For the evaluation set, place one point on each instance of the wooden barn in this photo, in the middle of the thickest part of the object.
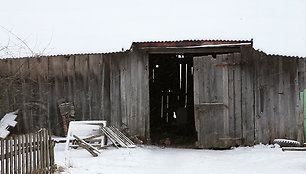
(208, 93)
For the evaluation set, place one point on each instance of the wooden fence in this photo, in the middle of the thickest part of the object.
(28, 153)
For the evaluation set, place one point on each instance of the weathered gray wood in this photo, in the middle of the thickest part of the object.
(95, 70)
(92, 150)
(19, 154)
(11, 150)
(23, 168)
(7, 169)
(2, 156)
(237, 99)
(16, 153)
(115, 92)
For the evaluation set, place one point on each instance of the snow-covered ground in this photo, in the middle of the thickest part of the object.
(156, 160)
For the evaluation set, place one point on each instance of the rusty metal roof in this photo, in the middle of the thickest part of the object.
(189, 43)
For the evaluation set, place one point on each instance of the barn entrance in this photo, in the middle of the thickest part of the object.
(171, 99)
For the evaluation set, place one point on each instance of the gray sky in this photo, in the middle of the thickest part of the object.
(78, 26)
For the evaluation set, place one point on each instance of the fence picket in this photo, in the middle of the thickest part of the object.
(15, 153)
(34, 151)
(23, 153)
(2, 156)
(31, 152)
(28, 153)
(11, 155)
(7, 156)
(19, 153)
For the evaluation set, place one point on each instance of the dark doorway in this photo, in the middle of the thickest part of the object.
(171, 99)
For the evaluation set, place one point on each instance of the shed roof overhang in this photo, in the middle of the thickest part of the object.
(182, 47)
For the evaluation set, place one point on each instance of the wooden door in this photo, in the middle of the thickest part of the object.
(217, 100)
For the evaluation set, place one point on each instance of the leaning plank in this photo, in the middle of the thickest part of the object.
(110, 137)
(125, 138)
(92, 150)
(294, 148)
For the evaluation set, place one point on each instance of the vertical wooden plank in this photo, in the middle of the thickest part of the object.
(237, 98)
(115, 91)
(23, 154)
(105, 88)
(27, 153)
(300, 136)
(51, 153)
(196, 89)
(81, 71)
(146, 96)
(7, 157)
(16, 154)
(19, 154)
(47, 142)
(247, 96)
(231, 98)
(42, 162)
(2, 156)
(11, 155)
(123, 90)
(34, 142)
(30, 144)
(38, 152)
(95, 62)
(225, 96)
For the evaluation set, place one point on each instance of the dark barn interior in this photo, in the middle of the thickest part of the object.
(171, 99)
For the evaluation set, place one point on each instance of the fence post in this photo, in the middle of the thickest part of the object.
(11, 155)
(2, 156)
(51, 151)
(6, 156)
(19, 153)
(15, 153)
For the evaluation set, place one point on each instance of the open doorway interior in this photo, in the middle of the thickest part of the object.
(171, 99)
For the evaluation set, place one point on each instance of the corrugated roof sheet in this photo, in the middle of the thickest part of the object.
(188, 43)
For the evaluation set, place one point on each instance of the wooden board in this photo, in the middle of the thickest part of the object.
(217, 101)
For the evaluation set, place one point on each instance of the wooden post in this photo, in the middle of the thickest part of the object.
(34, 150)
(27, 152)
(52, 165)
(23, 153)
(30, 152)
(15, 153)
(11, 155)
(7, 156)
(2, 156)
(19, 154)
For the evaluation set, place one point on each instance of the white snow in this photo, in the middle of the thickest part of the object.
(156, 160)
(5, 122)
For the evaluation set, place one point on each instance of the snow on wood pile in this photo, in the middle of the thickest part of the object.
(7, 121)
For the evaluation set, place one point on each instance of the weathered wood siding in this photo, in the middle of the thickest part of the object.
(257, 98)
(217, 86)
(276, 97)
(262, 92)
(112, 87)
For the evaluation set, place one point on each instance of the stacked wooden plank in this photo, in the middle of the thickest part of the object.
(117, 137)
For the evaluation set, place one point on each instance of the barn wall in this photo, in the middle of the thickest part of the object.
(112, 87)
(270, 97)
